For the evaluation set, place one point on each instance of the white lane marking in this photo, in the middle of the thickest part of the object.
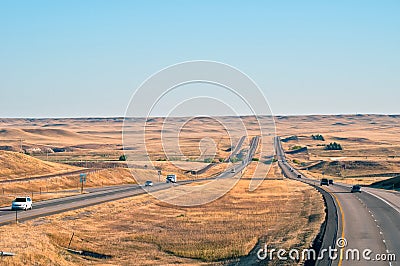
(382, 199)
(381, 233)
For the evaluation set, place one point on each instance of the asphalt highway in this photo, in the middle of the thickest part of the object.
(237, 148)
(53, 206)
(100, 195)
(368, 221)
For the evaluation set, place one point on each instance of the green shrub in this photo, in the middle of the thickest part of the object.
(333, 146)
(208, 160)
(234, 159)
(295, 147)
(318, 137)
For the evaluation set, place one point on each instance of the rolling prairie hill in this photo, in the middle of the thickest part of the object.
(18, 165)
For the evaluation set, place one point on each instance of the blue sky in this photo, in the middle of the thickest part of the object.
(86, 58)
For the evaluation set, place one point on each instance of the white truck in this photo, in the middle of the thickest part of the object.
(171, 179)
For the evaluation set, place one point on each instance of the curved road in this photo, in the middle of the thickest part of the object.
(369, 220)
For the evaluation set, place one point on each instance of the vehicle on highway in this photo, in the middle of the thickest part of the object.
(233, 170)
(356, 188)
(22, 203)
(324, 181)
(298, 176)
(330, 181)
(148, 183)
(291, 169)
(171, 179)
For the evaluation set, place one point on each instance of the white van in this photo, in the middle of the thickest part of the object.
(21, 203)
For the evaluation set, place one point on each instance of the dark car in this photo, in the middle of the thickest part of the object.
(356, 188)
(324, 181)
(330, 181)
(298, 176)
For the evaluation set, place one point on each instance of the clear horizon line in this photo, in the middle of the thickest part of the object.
(243, 115)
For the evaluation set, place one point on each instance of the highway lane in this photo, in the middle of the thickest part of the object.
(391, 197)
(236, 169)
(84, 196)
(53, 206)
(247, 160)
(101, 195)
(357, 226)
(330, 227)
(48, 207)
(367, 220)
(371, 222)
(388, 221)
(237, 148)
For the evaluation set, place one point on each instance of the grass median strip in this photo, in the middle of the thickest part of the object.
(142, 229)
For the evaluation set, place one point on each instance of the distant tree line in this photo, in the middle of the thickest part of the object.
(333, 146)
(318, 137)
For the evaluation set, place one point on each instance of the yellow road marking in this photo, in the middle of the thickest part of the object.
(343, 224)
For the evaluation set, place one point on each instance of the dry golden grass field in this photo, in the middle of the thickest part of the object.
(97, 142)
(16, 165)
(57, 187)
(371, 146)
(141, 230)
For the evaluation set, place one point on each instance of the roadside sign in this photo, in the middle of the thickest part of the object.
(82, 178)
(159, 175)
